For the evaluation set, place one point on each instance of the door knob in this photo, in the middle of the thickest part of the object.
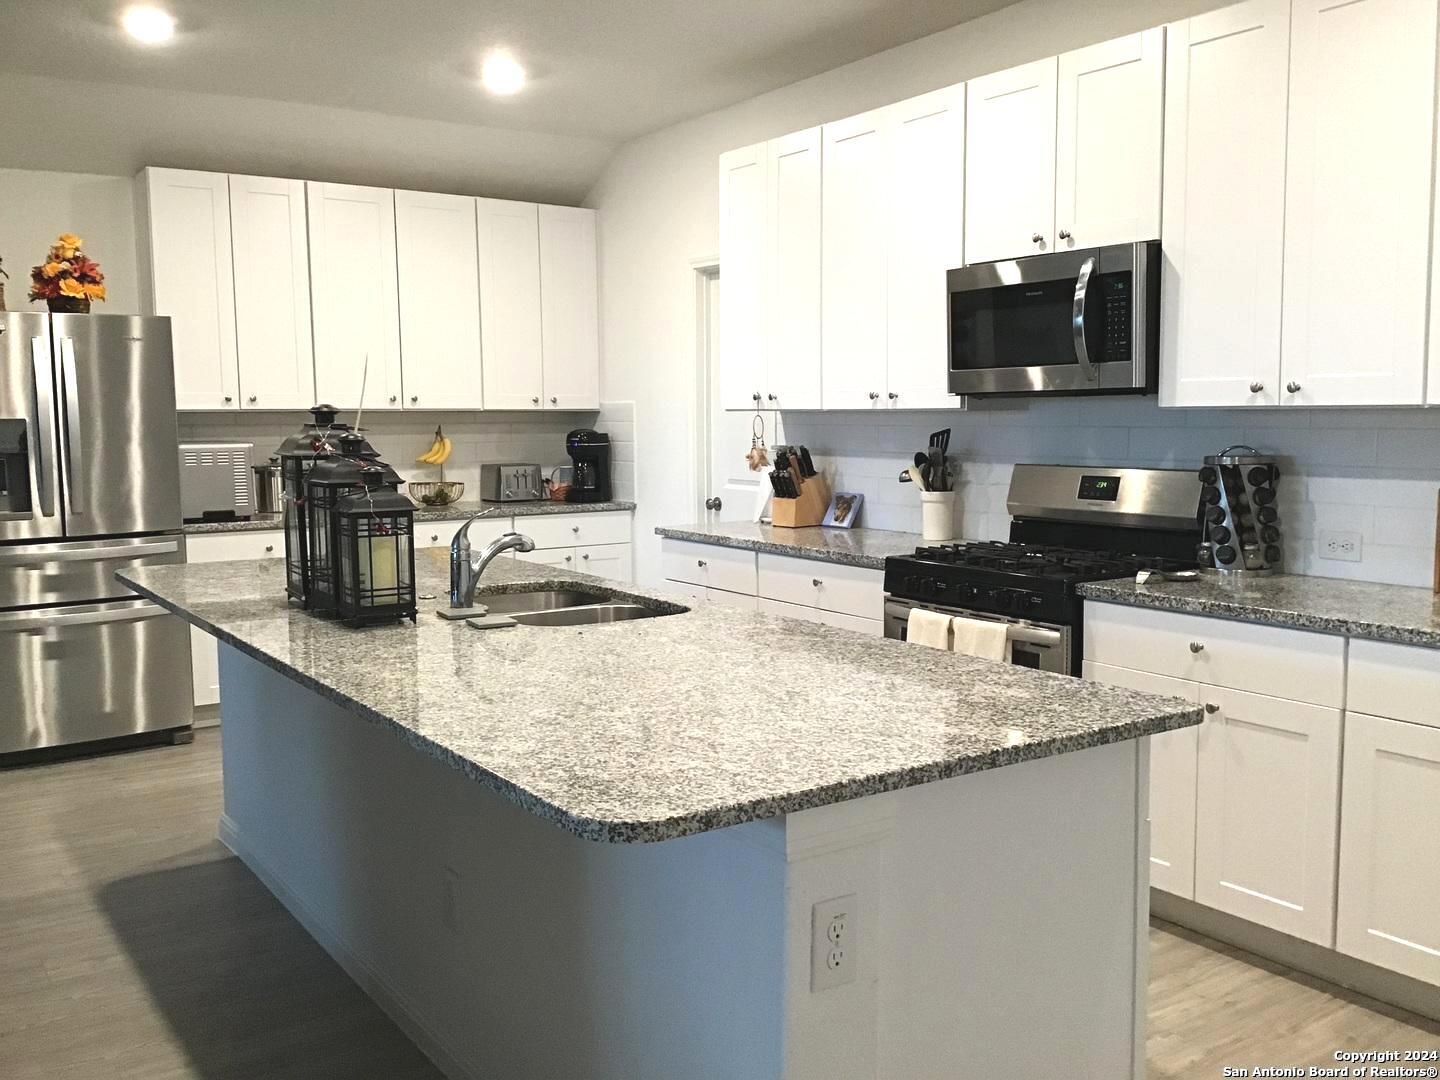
(1197, 647)
(1064, 234)
(874, 395)
(713, 503)
(1293, 387)
(1211, 708)
(1036, 238)
(252, 398)
(1256, 387)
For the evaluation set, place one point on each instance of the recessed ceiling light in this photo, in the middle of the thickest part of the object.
(148, 25)
(501, 73)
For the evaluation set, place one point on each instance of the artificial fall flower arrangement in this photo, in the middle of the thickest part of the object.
(66, 272)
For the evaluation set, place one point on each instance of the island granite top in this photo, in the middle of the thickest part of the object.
(454, 512)
(852, 547)
(658, 728)
(1363, 609)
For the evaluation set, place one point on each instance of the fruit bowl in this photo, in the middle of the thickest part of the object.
(436, 492)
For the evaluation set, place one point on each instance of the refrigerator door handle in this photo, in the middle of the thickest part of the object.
(80, 618)
(89, 554)
(74, 486)
(43, 435)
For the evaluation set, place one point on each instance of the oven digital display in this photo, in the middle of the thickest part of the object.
(1100, 488)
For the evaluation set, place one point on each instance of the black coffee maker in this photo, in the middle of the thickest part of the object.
(590, 450)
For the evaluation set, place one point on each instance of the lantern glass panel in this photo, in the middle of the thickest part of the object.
(373, 544)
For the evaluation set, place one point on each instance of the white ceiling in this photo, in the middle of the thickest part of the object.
(602, 69)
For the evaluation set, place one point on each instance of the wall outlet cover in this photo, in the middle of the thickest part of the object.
(833, 938)
(1341, 545)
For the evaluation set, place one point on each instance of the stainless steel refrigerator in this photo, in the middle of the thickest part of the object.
(89, 483)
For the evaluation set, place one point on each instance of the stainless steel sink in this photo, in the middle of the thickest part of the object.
(586, 616)
(540, 600)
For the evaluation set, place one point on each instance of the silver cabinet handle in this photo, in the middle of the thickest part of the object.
(534, 401)
(1211, 708)
(816, 582)
(1036, 238)
(554, 401)
(1293, 387)
(44, 431)
(81, 618)
(574, 528)
(38, 555)
(700, 563)
(1064, 234)
(713, 503)
(1256, 387)
(586, 556)
(569, 558)
(874, 395)
(414, 400)
(74, 479)
(769, 397)
(755, 396)
(252, 399)
(228, 399)
(1077, 319)
(393, 399)
(1197, 647)
(893, 396)
(269, 548)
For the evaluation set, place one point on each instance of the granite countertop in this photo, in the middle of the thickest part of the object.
(454, 512)
(853, 547)
(656, 728)
(1362, 609)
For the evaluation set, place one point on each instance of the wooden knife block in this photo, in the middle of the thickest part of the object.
(809, 509)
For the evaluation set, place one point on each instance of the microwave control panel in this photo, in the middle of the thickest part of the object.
(1115, 294)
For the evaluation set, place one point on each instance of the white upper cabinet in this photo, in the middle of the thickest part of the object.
(1010, 163)
(1107, 142)
(792, 369)
(855, 237)
(509, 247)
(353, 292)
(927, 229)
(439, 288)
(191, 281)
(272, 293)
(744, 257)
(1224, 206)
(1358, 200)
(569, 309)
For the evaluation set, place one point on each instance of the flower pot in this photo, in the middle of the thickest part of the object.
(937, 516)
(75, 305)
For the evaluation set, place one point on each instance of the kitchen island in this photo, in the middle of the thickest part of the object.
(616, 851)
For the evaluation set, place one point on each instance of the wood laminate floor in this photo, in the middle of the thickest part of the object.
(133, 945)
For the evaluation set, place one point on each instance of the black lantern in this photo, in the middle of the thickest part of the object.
(330, 478)
(373, 552)
(297, 455)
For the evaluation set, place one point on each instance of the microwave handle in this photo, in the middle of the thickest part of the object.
(1077, 318)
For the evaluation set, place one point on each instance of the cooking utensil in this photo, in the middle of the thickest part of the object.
(917, 478)
(807, 464)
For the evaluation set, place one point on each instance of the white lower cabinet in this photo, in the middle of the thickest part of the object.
(1174, 762)
(602, 560)
(223, 547)
(1267, 810)
(1389, 896)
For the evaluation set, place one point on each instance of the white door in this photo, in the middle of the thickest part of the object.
(1266, 815)
(927, 238)
(792, 373)
(1389, 906)
(855, 235)
(192, 281)
(1010, 163)
(353, 295)
(569, 308)
(509, 246)
(1224, 205)
(272, 293)
(1107, 142)
(1357, 203)
(607, 560)
(744, 257)
(561, 557)
(726, 489)
(435, 245)
(1174, 761)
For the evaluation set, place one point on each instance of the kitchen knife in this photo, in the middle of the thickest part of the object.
(807, 464)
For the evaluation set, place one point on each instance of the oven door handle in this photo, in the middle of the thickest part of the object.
(1077, 319)
(1033, 635)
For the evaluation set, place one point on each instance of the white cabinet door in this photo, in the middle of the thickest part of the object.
(1267, 810)
(606, 560)
(204, 668)
(744, 257)
(1174, 761)
(1389, 905)
(272, 293)
(792, 374)
(1107, 142)
(439, 285)
(855, 235)
(509, 246)
(927, 238)
(192, 281)
(353, 294)
(1010, 163)
(569, 308)
(1357, 203)
(1224, 205)
(561, 557)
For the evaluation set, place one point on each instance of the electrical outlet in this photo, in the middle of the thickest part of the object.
(833, 939)
(1344, 546)
(450, 899)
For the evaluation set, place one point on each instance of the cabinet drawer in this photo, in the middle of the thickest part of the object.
(1398, 681)
(731, 569)
(1294, 664)
(790, 611)
(575, 530)
(227, 547)
(605, 560)
(850, 590)
(725, 598)
(558, 556)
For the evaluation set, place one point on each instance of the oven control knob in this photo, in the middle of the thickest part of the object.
(1272, 553)
(1210, 495)
(1267, 515)
(1219, 535)
(1270, 534)
(1208, 475)
(1215, 515)
(1225, 555)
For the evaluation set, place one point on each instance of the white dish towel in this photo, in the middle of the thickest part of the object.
(983, 638)
(928, 628)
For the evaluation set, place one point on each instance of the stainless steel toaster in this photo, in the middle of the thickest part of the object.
(511, 483)
(215, 481)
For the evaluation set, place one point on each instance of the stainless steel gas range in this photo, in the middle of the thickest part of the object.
(1068, 525)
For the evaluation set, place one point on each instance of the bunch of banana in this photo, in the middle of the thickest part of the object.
(439, 451)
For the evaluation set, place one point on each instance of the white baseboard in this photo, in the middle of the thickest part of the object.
(391, 1000)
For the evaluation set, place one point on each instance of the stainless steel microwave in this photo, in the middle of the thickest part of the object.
(1073, 322)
